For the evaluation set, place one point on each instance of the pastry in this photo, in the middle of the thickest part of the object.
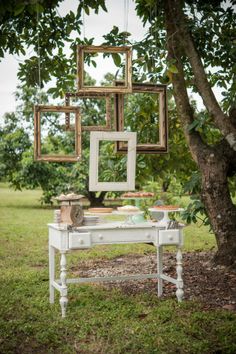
(69, 197)
(166, 207)
(128, 208)
(100, 210)
(137, 195)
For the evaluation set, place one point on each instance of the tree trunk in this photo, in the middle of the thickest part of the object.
(165, 185)
(96, 201)
(220, 209)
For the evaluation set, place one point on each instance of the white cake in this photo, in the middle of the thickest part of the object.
(128, 208)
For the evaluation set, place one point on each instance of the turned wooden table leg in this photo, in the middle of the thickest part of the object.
(159, 270)
(63, 289)
(51, 274)
(179, 270)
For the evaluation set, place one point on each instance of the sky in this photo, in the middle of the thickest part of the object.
(94, 26)
(121, 13)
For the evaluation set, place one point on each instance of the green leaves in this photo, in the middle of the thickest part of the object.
(193, 125)
(173, 69)
(86, 9)
(117, 59)
(39, 8)
(19, 9)
(31, 8)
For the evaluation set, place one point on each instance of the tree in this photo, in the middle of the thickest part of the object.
(13, 142)
(37, 25)
(196, 33)
(55, 178)
(17, 156)
(189, 45)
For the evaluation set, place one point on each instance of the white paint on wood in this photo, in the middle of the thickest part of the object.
(102, 234)
(63, 289)
(95, 138)
(179, 270)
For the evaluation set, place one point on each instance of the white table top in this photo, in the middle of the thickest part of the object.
(107, 226)
(127, 213)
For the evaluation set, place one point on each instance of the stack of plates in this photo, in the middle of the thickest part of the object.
(90, 220)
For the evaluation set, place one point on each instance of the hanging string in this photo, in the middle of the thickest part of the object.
(39, 62)
(83, 16)
(83, 19)
(152, 36)
(124, 21)
(155, 29)
(126, 18)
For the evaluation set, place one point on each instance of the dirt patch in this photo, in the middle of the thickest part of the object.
(214, 287)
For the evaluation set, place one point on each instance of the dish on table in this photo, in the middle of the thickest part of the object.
(165, 207)
(100, 210)
(137, 195)
(128, 209)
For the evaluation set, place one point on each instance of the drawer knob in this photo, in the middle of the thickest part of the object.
(100, 237)
(81, 241)
(170, 238)
(147, 235)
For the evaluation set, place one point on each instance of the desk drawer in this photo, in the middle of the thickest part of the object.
(123, 236)
(169, 237)
(79, 240)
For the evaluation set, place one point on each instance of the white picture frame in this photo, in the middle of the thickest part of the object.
(95, 138)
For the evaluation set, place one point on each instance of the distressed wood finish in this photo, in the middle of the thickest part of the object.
(160, 270)
(125, 87)
(162, 145)
(38, 109)
(84, 237)
(91, 95)
(179, 270)
(51, 254)
(63, 289)
(94, 184)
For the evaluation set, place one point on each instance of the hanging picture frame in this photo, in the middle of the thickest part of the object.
(94, 183)
(91, 96)
(39, 155)
(83, 50)
(160, 128)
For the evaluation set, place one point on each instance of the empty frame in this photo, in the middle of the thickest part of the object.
(94, 183)
(93, 97)
(149, 119)
(48, 116)
(115, 52)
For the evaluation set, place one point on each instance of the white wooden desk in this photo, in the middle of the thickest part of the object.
(64, 241)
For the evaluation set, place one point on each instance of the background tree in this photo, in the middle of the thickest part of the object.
(17, 156)
(56, 178)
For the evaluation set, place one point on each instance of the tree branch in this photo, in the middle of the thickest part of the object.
(180, 91)
(221, 120)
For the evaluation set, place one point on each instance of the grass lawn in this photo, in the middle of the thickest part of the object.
(98, 320)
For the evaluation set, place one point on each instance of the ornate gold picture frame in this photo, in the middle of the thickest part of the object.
(38, 156)
(90, 95)
(126, 85)
(161, 145)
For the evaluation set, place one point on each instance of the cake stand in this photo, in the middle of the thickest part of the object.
(129, 215)
(140, 218)
(165, 220)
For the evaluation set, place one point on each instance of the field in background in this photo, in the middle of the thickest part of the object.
(99, 320)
